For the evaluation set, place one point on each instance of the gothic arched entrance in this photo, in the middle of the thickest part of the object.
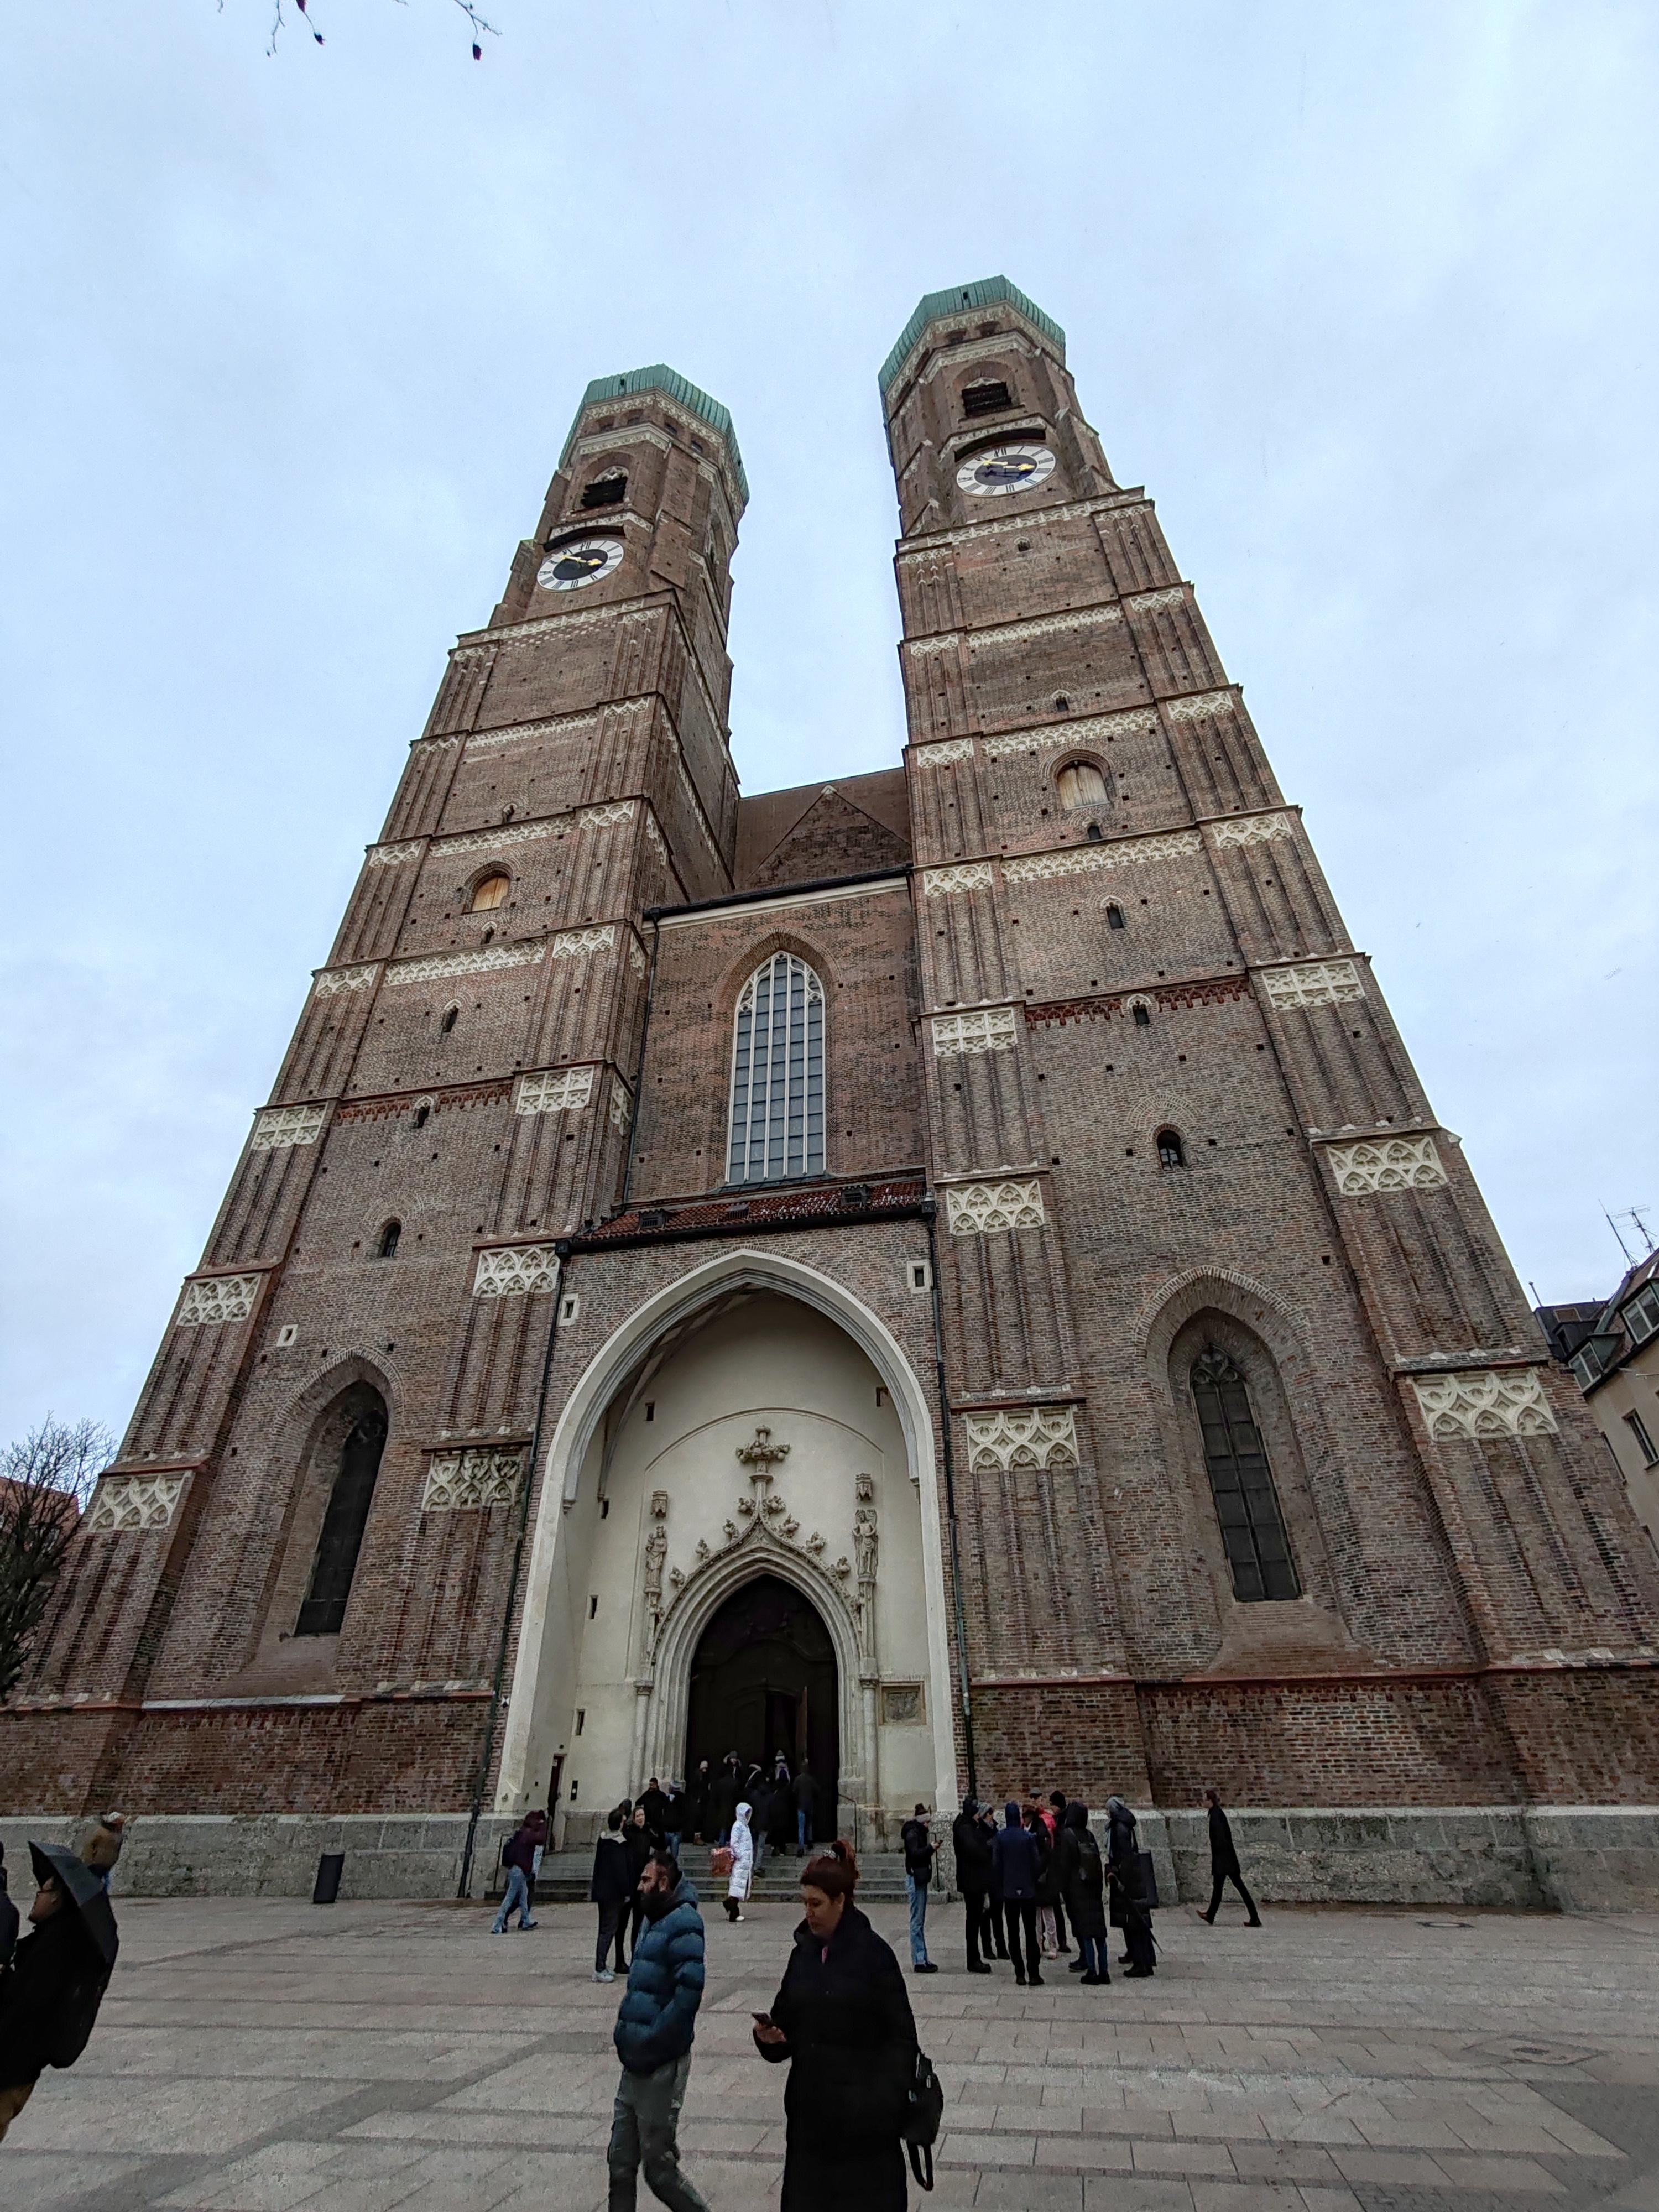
(763, 1681)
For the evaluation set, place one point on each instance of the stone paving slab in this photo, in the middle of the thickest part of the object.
(273, 2056)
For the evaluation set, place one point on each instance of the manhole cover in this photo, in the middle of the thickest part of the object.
(1445, 1923)
(1534, 2050)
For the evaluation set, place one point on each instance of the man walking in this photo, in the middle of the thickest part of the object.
(610, 1889)
(973, 1850)
(1223, 1863)
(654, 2034)
(919, 1850)
(805, 1792)
(518, 1856)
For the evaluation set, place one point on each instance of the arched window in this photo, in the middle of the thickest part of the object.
(488, 894)
(1080, 783)
(450, 1017)
(1170, 1151)
(777, 1074)
(423, 1114)
(986, 398)
(1113, 917)
(387, 1247)
(605, 491)
(1142, 1014)
(1246, 1503)
(346, 1517)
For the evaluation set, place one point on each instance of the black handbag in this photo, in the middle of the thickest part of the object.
(1147, 1874)
(924, 2110)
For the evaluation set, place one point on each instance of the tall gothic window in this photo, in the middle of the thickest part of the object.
(1246, 1503)
(346, 1517)
(777, 1074)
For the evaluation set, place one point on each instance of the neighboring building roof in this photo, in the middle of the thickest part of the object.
(660, 377)
(988, 292)
(1616, 1330)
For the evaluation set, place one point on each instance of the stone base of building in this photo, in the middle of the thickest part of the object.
(1573, 1859)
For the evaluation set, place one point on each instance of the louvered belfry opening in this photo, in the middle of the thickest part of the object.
(986, 399)
(1246, 1503)
(777, 1074)
(346, 1517)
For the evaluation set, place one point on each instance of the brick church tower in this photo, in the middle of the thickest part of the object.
(949, 1276)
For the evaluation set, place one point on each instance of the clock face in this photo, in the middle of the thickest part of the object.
(568, 568)
(1002, 468)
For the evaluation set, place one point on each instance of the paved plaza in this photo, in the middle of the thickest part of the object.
(259, 2057)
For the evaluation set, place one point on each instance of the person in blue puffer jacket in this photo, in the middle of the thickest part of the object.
(654, 2032)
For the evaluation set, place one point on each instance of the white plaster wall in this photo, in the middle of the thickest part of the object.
(773, 1361)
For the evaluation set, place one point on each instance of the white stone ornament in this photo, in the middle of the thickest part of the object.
(1118, 852)
(463, 1481)
(1085, 730)
(516, 1271)
(977, 1209)
(576, 944)
(217, 1297)
(971, 876)
(1148, 602)
(124, 1502)
(1492, 1402)
(584, 560)
(1392, 1164)
(988, 1029)
(1323, 983)
(621, 1109)
(483, 963)
(601, 818)
(1040, 1437)
(1004, 468)
(393, 856)
(1252, 829)
(278, 1126)
(1201, 706)
(346, 979)
(940, 755)
(554, 1090)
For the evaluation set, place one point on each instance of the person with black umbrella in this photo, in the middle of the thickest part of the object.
(8, 1918)
(51, 1993)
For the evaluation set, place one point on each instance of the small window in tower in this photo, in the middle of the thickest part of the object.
(986, 398)
(450, 1019)
(1094, 833)
(1142, 1014)
(1172, 1153)
(1115, 917)
(1080, 783)
(422, 1113)
(605, 491)
(490, 893)
(387, 1247)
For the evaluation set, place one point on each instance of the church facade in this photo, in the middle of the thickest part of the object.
(949, 1275)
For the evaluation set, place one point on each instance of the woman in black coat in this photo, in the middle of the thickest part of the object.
(1082, 1883)
(842, 2019)
(1129, 1910)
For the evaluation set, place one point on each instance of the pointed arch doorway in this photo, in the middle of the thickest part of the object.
(764, 1681)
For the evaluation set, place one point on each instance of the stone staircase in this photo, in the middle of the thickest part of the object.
(564, 1877)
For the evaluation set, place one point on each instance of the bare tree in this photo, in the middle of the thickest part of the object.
(480, 26)
(46, 1482)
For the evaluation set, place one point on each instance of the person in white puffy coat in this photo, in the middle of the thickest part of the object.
(742, 1844)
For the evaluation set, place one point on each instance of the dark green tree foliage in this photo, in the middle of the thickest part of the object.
(46, 1481)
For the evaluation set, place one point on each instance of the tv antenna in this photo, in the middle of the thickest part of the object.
(1634, 1215)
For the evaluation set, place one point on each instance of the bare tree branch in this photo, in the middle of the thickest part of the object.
(46, 1480)
(480, 24)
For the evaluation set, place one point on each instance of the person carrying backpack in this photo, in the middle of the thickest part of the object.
(520, 1856)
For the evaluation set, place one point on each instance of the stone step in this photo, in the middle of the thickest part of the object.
(564, 1876)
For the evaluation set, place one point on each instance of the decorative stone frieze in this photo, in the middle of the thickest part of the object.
(276, 1127)
(971, 876)
(654, 837)
(1037, 1436)
(1321, 983)
(1120, 853)
(976, 1209)
(1389, 1163)
(636, 956)
(516, 1271)
(464, 1481)
(482, 963)
(1017, 633)
(554, 1090)
(213, 1298)
(1086, 730)
(1146, 602)
(561, 725)
(393, 856)
(621, 1109)
(125, 1503)
(346, 979)
(1252, 829)
(514, 833)
(1492, 1402)
(577, 944)
(988, 1029)
(601, 818)
(941, 754)
(1200, 706)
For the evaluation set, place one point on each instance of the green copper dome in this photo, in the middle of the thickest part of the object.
(989, 292)
(660, 377)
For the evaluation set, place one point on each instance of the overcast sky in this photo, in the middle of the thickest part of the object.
(1364, 295)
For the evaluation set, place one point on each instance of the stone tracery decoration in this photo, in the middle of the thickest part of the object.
(971, 876)
(1390, 1164)
(1492, 1402)
(1173, 596)
(466, 963)
(278, 1128)
(1085, 730)
(124, 1502)
(981, 1208)
(988, 1029)
(464, 1481)
(600, 818)
(621, 1109)
(1121, 851)
(212, 1298)
(393, 856)
(516, 1271)
(1252, 829)
(1200, 708)
(941, 753)
(1320, 984)
(762, 1455)
(1017, 1436)
(554, 1090)
(344, 979)
(574, 944)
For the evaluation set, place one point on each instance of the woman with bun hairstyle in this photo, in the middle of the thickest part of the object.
(842, 2020)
